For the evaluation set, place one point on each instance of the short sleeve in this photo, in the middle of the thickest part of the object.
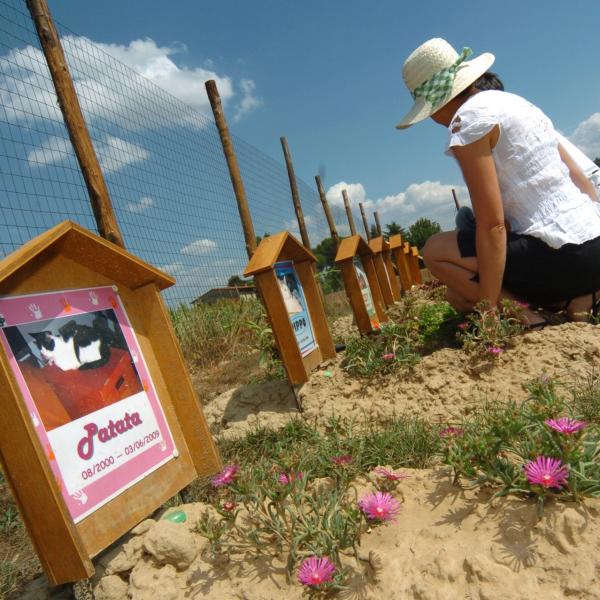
(470, 123)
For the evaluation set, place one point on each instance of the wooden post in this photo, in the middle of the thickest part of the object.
(232, 164)
(295, 194)
(349, 213)
(377, 223)
(365, 222)
(102, 208)
(455, 199)
(328, 216)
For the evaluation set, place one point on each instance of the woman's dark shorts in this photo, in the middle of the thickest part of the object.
(542, 275)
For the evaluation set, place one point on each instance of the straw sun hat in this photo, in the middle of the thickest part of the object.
(435, 73)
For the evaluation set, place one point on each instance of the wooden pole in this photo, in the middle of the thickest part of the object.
(102, 208)
(377, 223)
(232, 164)
(455, 199)
(328, 216)
(364, 219)
(295, 194)
(349, 213)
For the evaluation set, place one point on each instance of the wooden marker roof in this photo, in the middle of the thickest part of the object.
(379, 244)
(88, 249)
(272, 249)
(395, 241)
(352, 246)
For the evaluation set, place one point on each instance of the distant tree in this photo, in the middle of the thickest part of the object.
(597, 161)
(236, 281)
(393, 228)
(420, 231)
(325, 253)
(374, 233)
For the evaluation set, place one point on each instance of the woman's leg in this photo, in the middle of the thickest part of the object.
(442, 257)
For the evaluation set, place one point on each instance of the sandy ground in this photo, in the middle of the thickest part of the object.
(446, 544)
(442, 385)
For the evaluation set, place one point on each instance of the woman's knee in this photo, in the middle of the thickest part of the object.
(434, 249)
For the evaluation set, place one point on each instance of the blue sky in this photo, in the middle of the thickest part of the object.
(327, 74)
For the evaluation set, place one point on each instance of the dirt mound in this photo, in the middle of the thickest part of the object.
(442, 385)
(447, 543)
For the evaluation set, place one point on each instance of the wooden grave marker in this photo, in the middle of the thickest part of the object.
(89, 453)
(390, 288)
(397, 251)
(355, 259)
(414, 265)
(283, 270)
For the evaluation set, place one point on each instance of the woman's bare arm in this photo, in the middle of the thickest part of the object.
(577, 175)
(479, 171)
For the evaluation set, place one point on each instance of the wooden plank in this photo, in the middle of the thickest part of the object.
(275, 248)
(78, 132)
(60, 549)
(416, 271)
(354, 294)
(369, 267)
(282, 330)
(348, 248)
(393, 278)
(383, 279)
(316, 309)
(397, 247)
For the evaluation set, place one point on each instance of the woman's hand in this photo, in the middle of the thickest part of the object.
(479, 171)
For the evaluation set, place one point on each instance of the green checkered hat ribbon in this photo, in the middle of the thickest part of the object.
(436, 89)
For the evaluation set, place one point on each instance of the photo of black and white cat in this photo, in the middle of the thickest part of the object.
(74, 365)
(79, 346)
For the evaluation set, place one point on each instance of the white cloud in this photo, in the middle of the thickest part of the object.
(430, 199)
(199, 247)
(113, 153)
(249, 101)
(356, 193)
(587, 136)
(26, 90)
(53, 150)
(144, 203)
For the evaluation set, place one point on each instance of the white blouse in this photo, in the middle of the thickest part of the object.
(538, 195)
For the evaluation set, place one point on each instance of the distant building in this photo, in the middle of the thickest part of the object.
(243, 292)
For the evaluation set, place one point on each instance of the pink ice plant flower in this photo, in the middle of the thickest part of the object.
(226, 476)
(341, 459)
(523, 305)
(495, 350)
(463, 326)
(388, 356)
(315, 571)
(565, 425)
(452, 432)
(547, 472)
(229, 506)
(390, 475)
(290, 477)
(379, 506)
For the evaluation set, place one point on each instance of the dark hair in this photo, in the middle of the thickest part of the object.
(489, 81)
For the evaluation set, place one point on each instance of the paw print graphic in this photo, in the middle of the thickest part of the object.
(163, 445)
(80, 496)
(35, 420)
(134, 357)
(93, 298)
(35, 311)
(65, 304)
